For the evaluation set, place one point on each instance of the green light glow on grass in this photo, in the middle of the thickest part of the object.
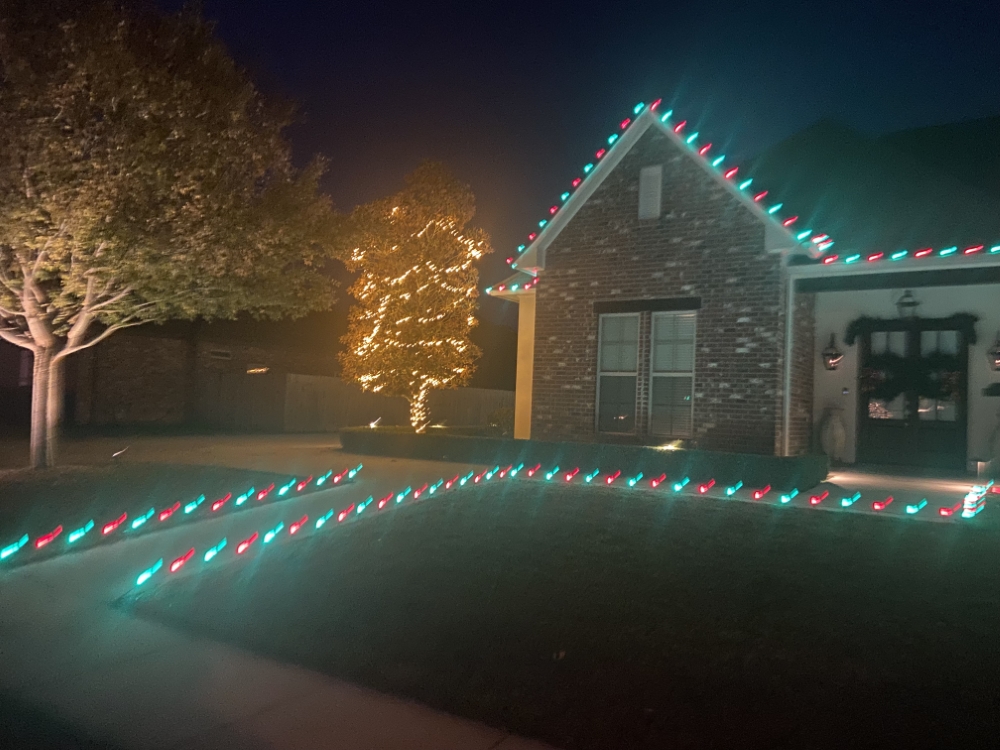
(143, 518)
(190, 507)
(79, 533)
(148, 573)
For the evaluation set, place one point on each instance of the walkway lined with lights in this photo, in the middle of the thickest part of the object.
(69, 651)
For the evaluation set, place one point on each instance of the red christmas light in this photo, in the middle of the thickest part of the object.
(302, 485)
(532, 236)
(949, 510)
(503, 472)
(531, 471)
(655, 104)
(384, 500)
(46, 538)
(680, 126)
(165, 514)
(923, 253)
(625, 122)
(179, 562)
(704, 149)
(760, 196)
(601, 152)
(830, 259)
(553, 209)
(418, 492)
(112, 525)
(758, 494)
(659, 480)
(476, 478)
(817, 499)
(577, 181)
(971, 250)
(730, 173)
(703, 488)
(344, 513)
(882, 504)
(298, 525)
(245, 544)
(789, 221)
(571, 474)
(510, 259)
(614, 476)
(875, 256)
(448, 484)
(265, 492)
(221, 501)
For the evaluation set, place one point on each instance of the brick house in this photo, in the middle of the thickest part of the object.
(670, 295)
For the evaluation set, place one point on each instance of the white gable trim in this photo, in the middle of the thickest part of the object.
(777, 238)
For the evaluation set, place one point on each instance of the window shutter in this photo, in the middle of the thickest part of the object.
(650, 191)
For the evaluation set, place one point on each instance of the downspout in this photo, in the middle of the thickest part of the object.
(789, 328)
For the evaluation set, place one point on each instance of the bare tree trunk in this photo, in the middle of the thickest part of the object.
(54, 409)
(39, 409)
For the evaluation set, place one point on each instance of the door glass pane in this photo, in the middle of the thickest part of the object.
(880, 342)
(619, 343)
(937, 410)
(673, 342)
(897, 343)
(948, 342)
(616, 410)
(670, 412)
(879, 408)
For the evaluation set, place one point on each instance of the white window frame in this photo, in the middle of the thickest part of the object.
(653, 374)
(601, 372)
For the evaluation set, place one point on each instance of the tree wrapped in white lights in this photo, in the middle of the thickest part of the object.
(416, 294)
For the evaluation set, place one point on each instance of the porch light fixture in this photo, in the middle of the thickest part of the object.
(907, 305)
(831, 355)
(994, 354)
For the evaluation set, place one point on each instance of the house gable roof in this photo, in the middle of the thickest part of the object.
(779, 235)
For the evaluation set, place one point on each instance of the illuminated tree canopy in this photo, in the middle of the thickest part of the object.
(142, 177)
(408, 333)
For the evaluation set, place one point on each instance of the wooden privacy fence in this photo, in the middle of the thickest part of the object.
(315, 403)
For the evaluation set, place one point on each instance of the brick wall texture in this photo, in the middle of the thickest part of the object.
(704, 244)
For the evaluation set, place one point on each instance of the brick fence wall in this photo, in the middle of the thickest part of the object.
(705, 244)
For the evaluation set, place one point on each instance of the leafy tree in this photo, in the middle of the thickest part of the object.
(416, 294)
(143, 177)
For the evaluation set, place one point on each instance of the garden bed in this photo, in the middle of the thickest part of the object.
(781, 473)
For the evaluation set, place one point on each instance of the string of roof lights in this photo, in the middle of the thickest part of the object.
(973, 503)
(152, 518)
(808, 238)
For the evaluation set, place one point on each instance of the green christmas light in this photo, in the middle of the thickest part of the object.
(746, 183)
(322, 480)
(513, 472)
(465, 479)
(190, 507)
(79, 533)
(678, 486)
(898, 255)
(354, 472)
(775, 208)
(542, 223)
(995, 249)
(852, 258)
(803, 234)
(948, 251)
(587, 168)
(730, 491)
(847, 502)
(10, 549)
(215, 550)
(638, 108)
(635, 480)
(550, 474)
(283, 490)
(269, 536)
(324, 518)
(666, 115)
(691, 138)
(402, 495)
(143, 518)
(433, 488)
(492, 472)
(718, 160)
(249, 493)
(917, 507)
(591, 476)
(789, 497)
(148, 573)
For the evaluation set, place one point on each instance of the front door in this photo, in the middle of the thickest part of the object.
(912, 394)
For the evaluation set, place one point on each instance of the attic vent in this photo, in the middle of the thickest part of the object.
(220, 354)
(650, 191)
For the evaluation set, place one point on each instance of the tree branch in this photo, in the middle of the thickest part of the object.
(117, 298)
(99, 338)
(17, 338)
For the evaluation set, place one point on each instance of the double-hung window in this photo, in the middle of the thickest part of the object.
(618, 372)
(671, 374)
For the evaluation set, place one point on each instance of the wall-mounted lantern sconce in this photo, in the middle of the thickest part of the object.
(907, 305)
(994, 354)
(831, 354)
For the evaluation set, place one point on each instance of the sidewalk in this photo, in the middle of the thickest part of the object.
(66, 650)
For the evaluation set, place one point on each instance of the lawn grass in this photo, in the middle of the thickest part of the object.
(36, 502)
(595, 618)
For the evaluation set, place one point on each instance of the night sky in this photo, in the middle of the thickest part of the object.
(515, 96)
